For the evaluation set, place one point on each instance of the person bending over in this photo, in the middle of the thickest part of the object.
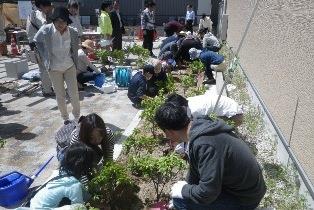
(65, 188)
(86, 71)
(138, 85)
(223, 171)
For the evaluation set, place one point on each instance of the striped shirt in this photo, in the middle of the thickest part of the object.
(108, 145)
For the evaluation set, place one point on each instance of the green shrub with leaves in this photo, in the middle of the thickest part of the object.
(142, 53)
(2, 143)
(187, 81)
(103, 56)
(113, 187)
(158, 170)
(137, 143)
(167, 86)
(195, 91)
(196, 67)
(118, 56)
(150, 106)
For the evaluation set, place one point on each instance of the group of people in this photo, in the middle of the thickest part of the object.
(223, 172)
(55, 35)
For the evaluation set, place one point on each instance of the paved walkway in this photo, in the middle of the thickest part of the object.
(28, 124)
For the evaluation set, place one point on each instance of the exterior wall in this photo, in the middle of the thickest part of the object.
(165, 9)
(277, 55)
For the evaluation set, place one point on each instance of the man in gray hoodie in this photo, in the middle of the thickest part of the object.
(223, 172)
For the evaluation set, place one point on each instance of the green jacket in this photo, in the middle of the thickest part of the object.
(105, 23)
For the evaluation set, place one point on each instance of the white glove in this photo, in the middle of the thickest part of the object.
(177, 188)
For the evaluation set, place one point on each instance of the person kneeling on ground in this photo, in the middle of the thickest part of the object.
(203, 105)
(158, 77)
(91, 131)
(210, 42)
(65, 188)
(86, 71)
(137, 87)
(211, 60)
(223, 172)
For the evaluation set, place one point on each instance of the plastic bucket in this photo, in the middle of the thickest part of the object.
(99, 80)
(13, 188)
(123, 75)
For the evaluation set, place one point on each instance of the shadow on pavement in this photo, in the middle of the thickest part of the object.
(15, 130)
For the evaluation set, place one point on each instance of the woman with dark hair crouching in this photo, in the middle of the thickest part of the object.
(65, 188)
(93, 132)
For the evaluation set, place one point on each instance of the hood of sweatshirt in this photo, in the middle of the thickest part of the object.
(204, 125)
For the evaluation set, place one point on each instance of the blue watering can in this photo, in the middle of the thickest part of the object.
(14, 186)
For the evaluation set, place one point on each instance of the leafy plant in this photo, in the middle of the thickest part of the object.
(187, 81)
(150, 106)
(118, 56)
(167, 86)
(142, 53)
(196, 67)
(195, 91)
(158, 170)
(2, 143)
(138, 142)
(113, 187)
(103, 55)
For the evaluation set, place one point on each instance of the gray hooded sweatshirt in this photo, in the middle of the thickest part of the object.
(220, 162)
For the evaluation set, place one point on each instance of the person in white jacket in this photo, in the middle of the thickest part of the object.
(86, 71)
(73, 8)
(205, 23)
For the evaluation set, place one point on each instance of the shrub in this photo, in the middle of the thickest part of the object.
(196, 67)
(118, 56)
(113, 187)
(103, 56)
(187, 81)
(167, 86)
(142, 53)
(138, 142)
(158, 170)
(150, 106)
(195, 91)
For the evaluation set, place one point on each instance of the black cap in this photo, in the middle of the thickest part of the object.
(62, 13)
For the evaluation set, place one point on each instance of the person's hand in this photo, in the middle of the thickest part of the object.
(176, 189)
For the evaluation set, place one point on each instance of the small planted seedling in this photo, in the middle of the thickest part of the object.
(187, 82)
(157, 170)
(150, 106)
(113, 187)
(196, 67)
(103, 55)
(137, 143)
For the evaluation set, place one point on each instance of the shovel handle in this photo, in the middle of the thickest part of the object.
(42, 167)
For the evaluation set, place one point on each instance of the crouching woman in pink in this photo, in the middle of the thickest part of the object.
(58, 44)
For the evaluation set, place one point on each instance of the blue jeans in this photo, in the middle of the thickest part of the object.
(223, 202)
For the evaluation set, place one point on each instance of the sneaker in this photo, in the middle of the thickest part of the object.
(210, 82)
(66, 122)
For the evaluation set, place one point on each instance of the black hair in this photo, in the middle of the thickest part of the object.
(169, 116)
(44, 3)
(190, 5)
(174, 48)
(150, 4)
(177, 100)
(149, 69)
(73, 4)
(87, 124)
(204, 16)
(168, 31)
(77, 161)
(105, 5)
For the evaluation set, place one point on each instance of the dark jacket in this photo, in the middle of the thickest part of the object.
(116, 29)
(220, 162)
(137, 87)
(185, 46)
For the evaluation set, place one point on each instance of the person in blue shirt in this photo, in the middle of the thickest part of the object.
(65, 188)
(189, 18)
(138, 85)
(208, 58)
